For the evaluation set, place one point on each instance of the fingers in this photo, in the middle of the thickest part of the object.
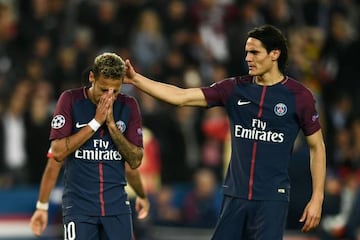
(38, 224)
(142, 213)
(37, 228)
(310, 222)
(105, 106)
(130, 72)
(142, 207)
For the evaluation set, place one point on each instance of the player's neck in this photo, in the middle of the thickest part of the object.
(269, 79)
(91, 95)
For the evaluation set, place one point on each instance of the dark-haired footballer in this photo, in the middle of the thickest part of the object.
(266, 109)
(96, 133)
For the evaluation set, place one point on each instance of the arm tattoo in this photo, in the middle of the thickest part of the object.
(67, 140)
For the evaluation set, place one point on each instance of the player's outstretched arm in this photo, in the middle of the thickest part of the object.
(39, 219)
(165, 92)
(142, 202)
(312, 212)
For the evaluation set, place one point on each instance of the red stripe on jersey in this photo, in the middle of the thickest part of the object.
(253, 157)
(101, 193)
(261, 104)
(252, 169)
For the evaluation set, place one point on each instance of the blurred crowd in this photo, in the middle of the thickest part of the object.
(47, 45)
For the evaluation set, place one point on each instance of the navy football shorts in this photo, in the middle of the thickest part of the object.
(242, 219)
(95, 228)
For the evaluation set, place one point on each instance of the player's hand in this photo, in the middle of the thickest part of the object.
(142, 206)
(110, 114)
(102, 109)
(38, 222)
(311, 215)
(130, 72)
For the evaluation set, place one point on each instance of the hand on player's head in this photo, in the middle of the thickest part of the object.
(130, 72)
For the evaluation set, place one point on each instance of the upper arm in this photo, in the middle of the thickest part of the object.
(316, 141)
(193, 97)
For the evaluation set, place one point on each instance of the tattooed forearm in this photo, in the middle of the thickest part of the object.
(67, 143)
(130, 153)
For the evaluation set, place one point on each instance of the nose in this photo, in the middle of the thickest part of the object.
(247, 57)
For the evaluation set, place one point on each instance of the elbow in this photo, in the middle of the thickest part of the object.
(57, 153)
(137, 159)
(58, 157)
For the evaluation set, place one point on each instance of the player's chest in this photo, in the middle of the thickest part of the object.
(83, 112)
(262, 107)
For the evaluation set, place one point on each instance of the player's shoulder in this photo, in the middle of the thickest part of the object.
(73, 94)
(296, 87)
(125, 98)
(236, 80)
(80, 91)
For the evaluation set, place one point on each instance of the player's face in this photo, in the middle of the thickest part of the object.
(102, 85)
(258, 59)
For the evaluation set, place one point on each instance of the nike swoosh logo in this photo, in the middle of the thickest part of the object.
(78, 125)
(240, 103)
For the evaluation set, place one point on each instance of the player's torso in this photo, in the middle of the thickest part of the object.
(94, 173)
(264, 126)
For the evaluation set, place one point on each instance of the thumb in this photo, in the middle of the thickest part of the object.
(142, 213)
(303, 217)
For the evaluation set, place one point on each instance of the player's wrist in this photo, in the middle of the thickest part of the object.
(94, 125)
(142, 196)
(42, 205)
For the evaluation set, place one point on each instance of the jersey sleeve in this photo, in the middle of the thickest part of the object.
(61, 124)
(134, 130)
(307, 113)
(218, 93)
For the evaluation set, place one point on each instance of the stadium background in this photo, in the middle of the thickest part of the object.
(45, 45)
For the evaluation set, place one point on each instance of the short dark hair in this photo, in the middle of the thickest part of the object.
(109, 65)
(272, 39)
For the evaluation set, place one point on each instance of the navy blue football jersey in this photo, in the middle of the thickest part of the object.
(264, 121)
(94, 175)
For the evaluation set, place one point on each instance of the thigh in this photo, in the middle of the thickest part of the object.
(268, 220)
(230, 225)
(81, 228)
(115, 226)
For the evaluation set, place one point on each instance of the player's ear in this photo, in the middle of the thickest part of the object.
(275, 54)
(91, 77)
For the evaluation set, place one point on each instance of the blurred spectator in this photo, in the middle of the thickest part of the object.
(165, 210)
(9, 49)
(176, 23)
(149, 45)
(215, 127)
(40, 17)
(150, 168)
(340, 54)
(210, 17)
(150, 174)
(248, 16)
(42, 53)
(37, 126)
(14, 158)
(279, 13)
(336, 226)
(67, 71)
(355, 134)
(201, 205)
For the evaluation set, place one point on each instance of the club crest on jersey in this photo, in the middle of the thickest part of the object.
(315, 117)
(280, 109)
(121, 126)
(58, 121)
